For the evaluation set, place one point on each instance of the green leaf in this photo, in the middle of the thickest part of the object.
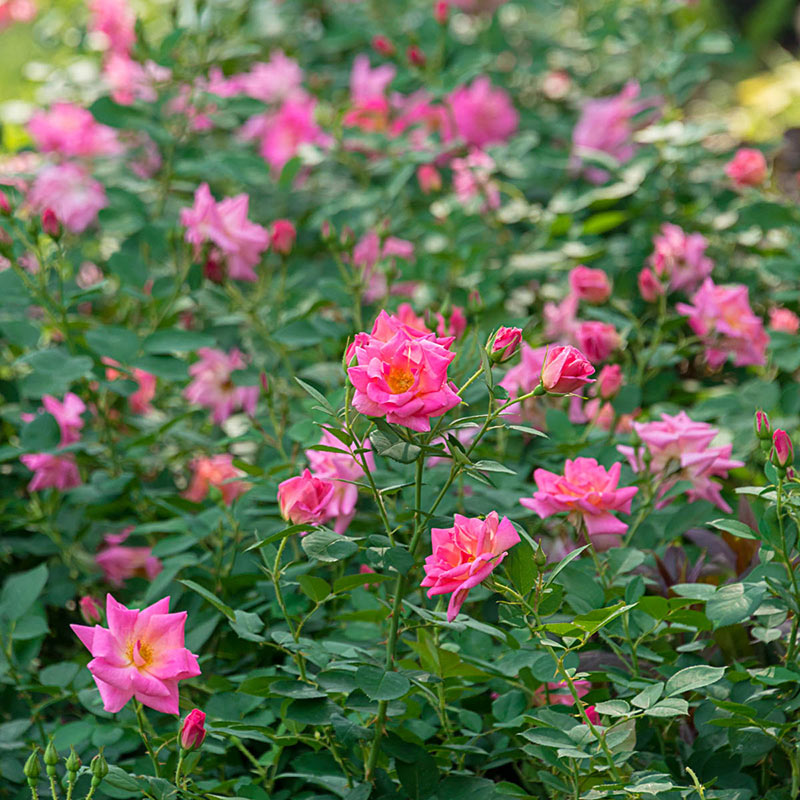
(563, 563)
(121, 344)
(21, 591)
(176, 340)
(348, 582)
(41, 433)
(521, 568)
(247, 625)
(734, 527)
(210, 598)
(315, 588)
(318, 396)
(613, 708)
(380, 684)
(734, 603)
(690, 678)
(419, 777)
(402, 452)
(328, 546)
(54, 371)
(648, 696)
(669, 707)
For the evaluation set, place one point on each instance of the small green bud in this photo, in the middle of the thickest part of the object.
(99, 768)
(73, 763)
(32, 768)
(539, 556)
(50, 755)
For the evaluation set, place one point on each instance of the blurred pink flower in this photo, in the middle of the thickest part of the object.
(50, 471)
(119, 563)
(403, 379)
(212, 385)
(483, 114)
(116, 20)
(275, 80)
(340, 468)
(429, 178)
(560, 322)
(283, 132)
(589, 284)
(586, 491)
(782, 319)
(226, 226)
(606, 126)
(650, 287)
(67, 414)
(217, 471)
(367, 83)
(597, 340)
(139, 401)
(454, 325)
(70, 130)
(128, 80)
(12, 11)
(680, 257)
(90, 611)
(748, 167)
(678, 448)
(282, 236)
(465, 555)
(523, 379)
(472, 178)
(609, 381)
(721, 316)
(141, 654)
(306, 499)
(89, 275)
(70, 191)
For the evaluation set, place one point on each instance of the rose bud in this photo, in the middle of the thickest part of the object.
(782, 450)
(649, 286)
(761, 423)
(565, 370)
(304, 499)
(589, 284)
(440, 11)
(748, 167)
(382, 45)
(264, 382)
(429, 178)
(50, 223)
(90, 611)
(504, 344)
(5, 206)
(597, 340)
(213, 269)
(193, 730)
(283, 236)
(415, 56)
(782, 319)
(609, 381)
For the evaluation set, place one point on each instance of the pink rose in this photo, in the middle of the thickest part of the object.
(650, 287)
(141, 654)
(782, 319)
(483, 114)
(403, 379)
(565, 370)
(748, 167)
(72, 194)
(597, 340)
(212, 385)
(283, 236)
(72, 131)
(217, 471)
(586, 491)
(305, 499)
(680, 257)
(50, 471)
(429, 179)
(609, 381)
(465, 555)
(589, 284)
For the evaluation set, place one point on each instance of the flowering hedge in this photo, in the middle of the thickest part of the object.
(396, 403)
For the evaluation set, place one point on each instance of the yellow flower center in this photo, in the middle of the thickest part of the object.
(399, 380)
(139, 653)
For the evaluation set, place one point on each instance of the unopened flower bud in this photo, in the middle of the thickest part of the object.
(609, 381)
(32, 768)
(382, 45)
(193, 730)
(440, 11)
(50, 758)
(73, 764)
(415, 56)
(474, 301)
(539, 556)
(282, 236)
(761, 424)
(782, 450)
(50, 223)
(5, 206)
(504, 344)
(327, 231)
(90, 611)
(99, 769)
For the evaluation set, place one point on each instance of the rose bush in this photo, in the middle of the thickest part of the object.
(397, 401)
